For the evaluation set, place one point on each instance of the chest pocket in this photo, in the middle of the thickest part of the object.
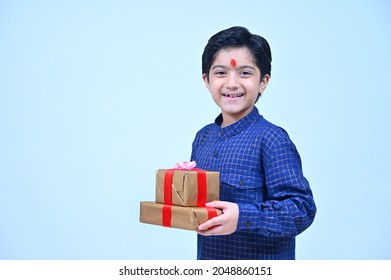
(242, 188)
(242, 182)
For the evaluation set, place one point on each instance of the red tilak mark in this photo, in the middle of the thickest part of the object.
(232, 63)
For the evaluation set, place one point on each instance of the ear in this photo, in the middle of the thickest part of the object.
(206, 81)
(264, 83)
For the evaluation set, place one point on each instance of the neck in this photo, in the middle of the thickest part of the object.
(229, 119)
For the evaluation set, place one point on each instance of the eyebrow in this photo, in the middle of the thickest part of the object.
(226, 67)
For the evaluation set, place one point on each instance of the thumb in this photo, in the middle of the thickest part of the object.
(217, 204)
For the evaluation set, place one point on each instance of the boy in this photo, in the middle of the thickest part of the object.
(265, 199)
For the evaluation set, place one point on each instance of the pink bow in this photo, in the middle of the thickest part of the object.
(185, 165)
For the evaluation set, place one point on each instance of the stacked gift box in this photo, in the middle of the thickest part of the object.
(181, 194)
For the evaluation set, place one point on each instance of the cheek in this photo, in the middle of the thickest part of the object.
(214, 85)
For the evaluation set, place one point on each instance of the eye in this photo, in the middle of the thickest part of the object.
(245, 73)
(220, 73)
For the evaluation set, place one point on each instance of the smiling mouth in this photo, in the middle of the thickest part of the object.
(233, 95)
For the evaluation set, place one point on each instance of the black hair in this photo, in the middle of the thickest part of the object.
(237, 37)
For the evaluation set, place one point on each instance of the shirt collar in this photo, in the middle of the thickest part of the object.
(238, 126)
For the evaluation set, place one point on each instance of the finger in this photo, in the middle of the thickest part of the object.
(213, 231)
(206, 225)
(217, 204)
(210, 223)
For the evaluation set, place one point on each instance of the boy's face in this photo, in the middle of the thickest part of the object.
(234, 83)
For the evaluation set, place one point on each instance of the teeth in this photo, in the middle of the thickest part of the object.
(233, 95)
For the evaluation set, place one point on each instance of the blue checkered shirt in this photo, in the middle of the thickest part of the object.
(260, 170)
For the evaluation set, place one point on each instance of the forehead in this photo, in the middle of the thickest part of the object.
(241, 55)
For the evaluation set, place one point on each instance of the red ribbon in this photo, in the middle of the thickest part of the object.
(166, 214)
(168, 186)
(211, 212)
(201, 178)
(202, 186)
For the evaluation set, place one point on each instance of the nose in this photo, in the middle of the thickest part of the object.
(232, 81)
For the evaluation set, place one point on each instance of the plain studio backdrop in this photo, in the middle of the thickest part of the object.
(97, 95)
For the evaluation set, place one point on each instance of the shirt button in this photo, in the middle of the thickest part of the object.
(248, 224)
(242, 183)
(221, 132)
(215, 154)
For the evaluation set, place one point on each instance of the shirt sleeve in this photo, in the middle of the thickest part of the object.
(289, 208)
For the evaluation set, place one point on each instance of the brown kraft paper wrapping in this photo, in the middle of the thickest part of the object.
(188, 218)
(185, 187)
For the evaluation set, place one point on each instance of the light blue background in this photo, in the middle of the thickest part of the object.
(97, 95)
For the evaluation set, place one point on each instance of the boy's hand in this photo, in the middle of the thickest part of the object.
(224, 224)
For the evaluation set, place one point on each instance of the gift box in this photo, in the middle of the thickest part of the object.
(187, 187)
(175, 216)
